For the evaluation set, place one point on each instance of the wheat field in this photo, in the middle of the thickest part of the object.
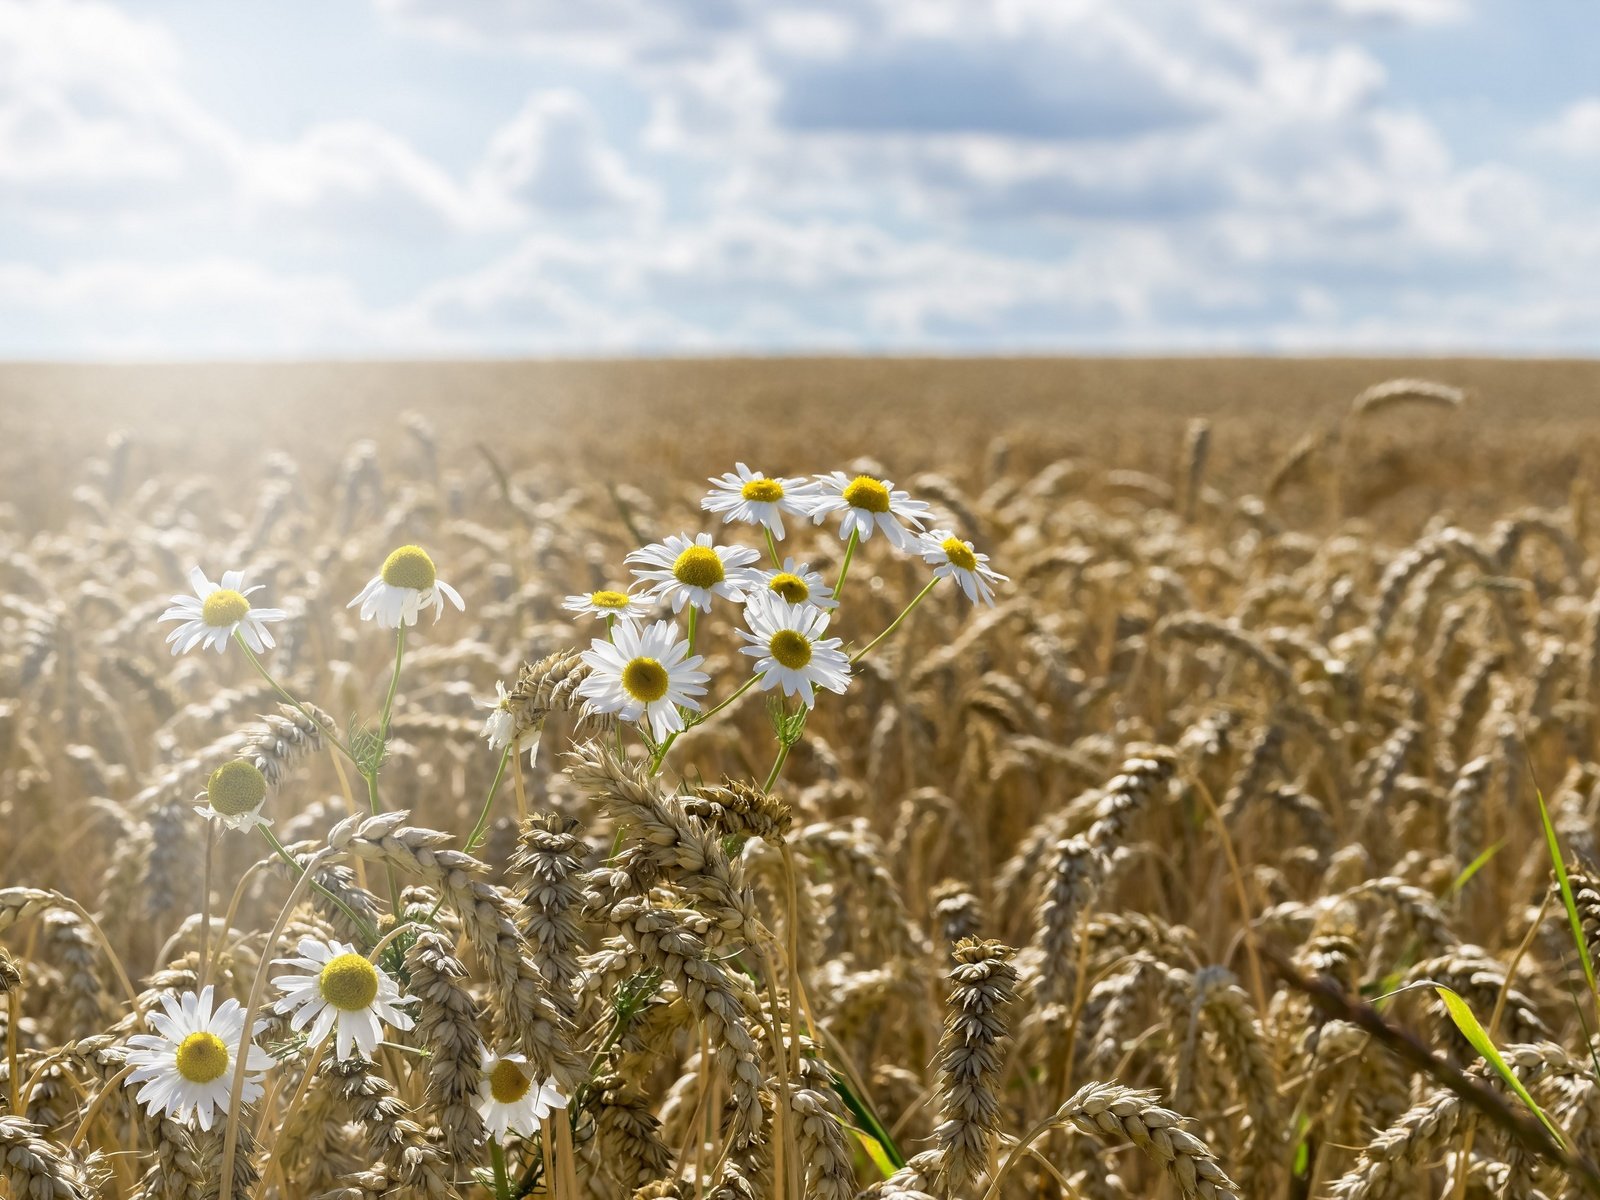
(1217, 857)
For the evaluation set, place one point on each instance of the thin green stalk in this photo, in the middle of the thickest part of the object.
(282, 852)
(394, 680)
(777, 766)
(772, 546)
(844, 567)
(661, 751)
(488, 801)
(502, 1183)
(694, 614)
(895, 624)
(327, 731)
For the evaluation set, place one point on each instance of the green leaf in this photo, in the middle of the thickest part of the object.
(1473, 867)
(875, 1151)
(1475, 1033)
(1554, 844)
(868, 1121)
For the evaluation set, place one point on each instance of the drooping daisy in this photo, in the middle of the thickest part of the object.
(790, 652)
(186, 1067)
(509, 1100)
(344, 989)
(608, 603)
(869, 504)
(644, 674)
(757, 499)
(234, 795)
(686, 572)
(215, 611)
(500, 727)
(799, 584)
(407, 584)
(956, 559)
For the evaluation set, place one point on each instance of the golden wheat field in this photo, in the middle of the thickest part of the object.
(515, 839)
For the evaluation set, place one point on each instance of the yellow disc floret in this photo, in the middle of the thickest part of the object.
(698, 566)
(766, 490)
(959, 553)
(867, 493)
(236, 787)
(609, 599)
(202, 1057)
(790, 648)
(409, 567)
(349, 982)
(791, 587)
(223, 607)
(645, 679)
(509, 1082)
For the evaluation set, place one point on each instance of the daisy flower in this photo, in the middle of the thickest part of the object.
(187, 1065)
(644, 674)
(786, 642)
(407, 584)
(688, 572)
(756, 499)
(234, 795)
(509, 1101)
(343, 989)
(798, 584)
(607, 603)
(216, 611)
(500, 726)
(956, 559)
(869, 504)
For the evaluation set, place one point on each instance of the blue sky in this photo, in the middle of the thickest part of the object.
(187, 178)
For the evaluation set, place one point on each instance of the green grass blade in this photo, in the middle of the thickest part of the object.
(1475, 1033)
(1565, 884)
(1473, 867)
(869, 1124)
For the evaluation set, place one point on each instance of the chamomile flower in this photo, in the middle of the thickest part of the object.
(955, 559)
(500, 727)
(798, 584)
(508, 1099)
(216, 611)
(757, 499)
(407, 584)
(686, 572)
(869, 504)
(234, 795)
(644, 674)
(186, 1067)
(608, 603)
(345, 992)
(790, 652)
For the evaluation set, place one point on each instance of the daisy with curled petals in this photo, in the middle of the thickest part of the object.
(869, 504)
(216, 612)
(798, 584)
(508, 1099)
(344, 992)
(407, 584)
(790, 652)
(234, 795)
(644, 675)
(955, 559)
(608, 604)
(754, 498)
(186, 1066)
(685, 572)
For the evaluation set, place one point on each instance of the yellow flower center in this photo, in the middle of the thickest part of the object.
(959, 553)
(791, 587)
(762, 489)
(698, 566)
(645, 679)
(223, 607)
(236, 787)
(409, 567)
(867, 493)
(607, 599)
(790, 648)
(508, 1083)
(202, 1057)
(349, 982)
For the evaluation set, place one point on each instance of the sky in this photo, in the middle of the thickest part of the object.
(398, 178)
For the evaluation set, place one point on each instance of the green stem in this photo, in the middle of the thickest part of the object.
(694, 614)
(661, 751)
(777, 767)
(282, 851)
(327, 731)
(895, 624)
(488, 801)
(844, 567)
(772, 546)
(394, 681)
(497, 1156)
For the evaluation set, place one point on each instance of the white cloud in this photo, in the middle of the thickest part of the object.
(1575, 132)
(553, 157)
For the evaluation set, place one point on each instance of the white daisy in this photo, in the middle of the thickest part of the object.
(644, 674)
(686, 572)
(798, 584)
(956, 559)
(187, 1065)
(508, 1099)
(343, 989)
(869, 504)
(786, 642)
(758, 499)
(407, 584)
(215, 611)
(500, 726)
(234, 795)
(608, 603)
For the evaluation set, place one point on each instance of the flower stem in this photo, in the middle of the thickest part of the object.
(497, 1156)
(327, 731)
(394, 681)
(777, 766)
(694, 614)
(772, 545)
(367, 931)
(488, 801)
(661, 751)
(895, 624)
(844, 567)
